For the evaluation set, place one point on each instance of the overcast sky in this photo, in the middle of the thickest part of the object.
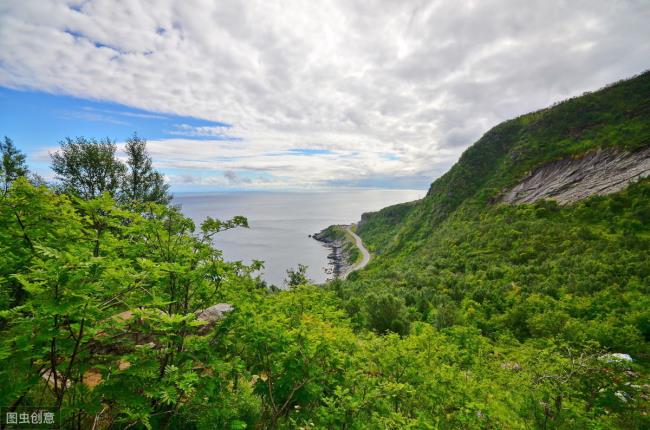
(296, 94)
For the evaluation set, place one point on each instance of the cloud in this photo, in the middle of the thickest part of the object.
(234, 178)
(419, 80)
(215, 132)
(230, 175)
(283, 165)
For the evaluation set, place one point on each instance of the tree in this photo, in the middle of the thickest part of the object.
(387, 313)
(87, 167)
(142, 183)
(13, 163)
(297, 277)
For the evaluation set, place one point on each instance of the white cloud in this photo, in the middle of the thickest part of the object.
(275, 166)
(202, 131)
(419, 80)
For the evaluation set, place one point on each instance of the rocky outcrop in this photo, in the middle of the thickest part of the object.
(572, 179)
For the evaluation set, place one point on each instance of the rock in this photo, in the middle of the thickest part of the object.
(616, 357)
(213, 314)
(123, 316)
(569, 180)
(48, 375)
(622, 396)
(513, 366)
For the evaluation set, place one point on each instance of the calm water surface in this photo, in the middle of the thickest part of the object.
(280, 223)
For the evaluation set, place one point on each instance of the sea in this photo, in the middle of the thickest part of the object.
(280, 224)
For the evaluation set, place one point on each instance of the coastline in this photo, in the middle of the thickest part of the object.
(347, 251)
(338, 258)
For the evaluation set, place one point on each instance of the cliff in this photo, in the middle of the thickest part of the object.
(572, 179)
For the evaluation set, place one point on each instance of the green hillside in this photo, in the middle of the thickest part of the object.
(540, 274)
(458, 245)
(617, 116)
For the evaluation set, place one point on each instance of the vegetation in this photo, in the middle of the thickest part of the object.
(297, 277)
(88, 168)
(141, 182)
(472, 314)
(96, 293)
(13, 163)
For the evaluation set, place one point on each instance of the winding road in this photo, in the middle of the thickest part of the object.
(366, 255)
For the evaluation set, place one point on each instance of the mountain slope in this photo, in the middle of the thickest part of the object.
(578, 272)
(488, 256)
(616, 118)
(531, 287)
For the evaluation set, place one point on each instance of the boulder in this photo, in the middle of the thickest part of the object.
(213, 314)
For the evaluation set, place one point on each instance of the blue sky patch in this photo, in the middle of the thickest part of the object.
(305, 151)
(36, 120)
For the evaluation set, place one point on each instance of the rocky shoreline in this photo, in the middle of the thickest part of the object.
(338, 258)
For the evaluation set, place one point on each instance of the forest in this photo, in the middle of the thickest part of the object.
(118, 311)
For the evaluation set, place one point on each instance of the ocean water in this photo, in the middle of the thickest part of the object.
(281, 222)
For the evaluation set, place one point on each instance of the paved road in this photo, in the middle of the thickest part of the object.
(366, 255)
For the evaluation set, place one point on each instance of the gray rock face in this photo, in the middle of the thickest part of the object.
(213, 314)
(570, 180)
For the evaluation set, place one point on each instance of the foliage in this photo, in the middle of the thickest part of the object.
(13, 163)
(499, 271)
(297, 277)
(142, 183)
(386, 313)
(88, 167)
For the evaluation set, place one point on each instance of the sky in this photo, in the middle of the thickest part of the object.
(266, 95)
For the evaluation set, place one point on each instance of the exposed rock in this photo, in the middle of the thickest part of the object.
(569, 180)
(616, 357)
(48, 375)
(510, 365)
(213, 314)
(123, 316)
(132, 322)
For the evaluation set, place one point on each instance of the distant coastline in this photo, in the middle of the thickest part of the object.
(347, 251)
(337, 259)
